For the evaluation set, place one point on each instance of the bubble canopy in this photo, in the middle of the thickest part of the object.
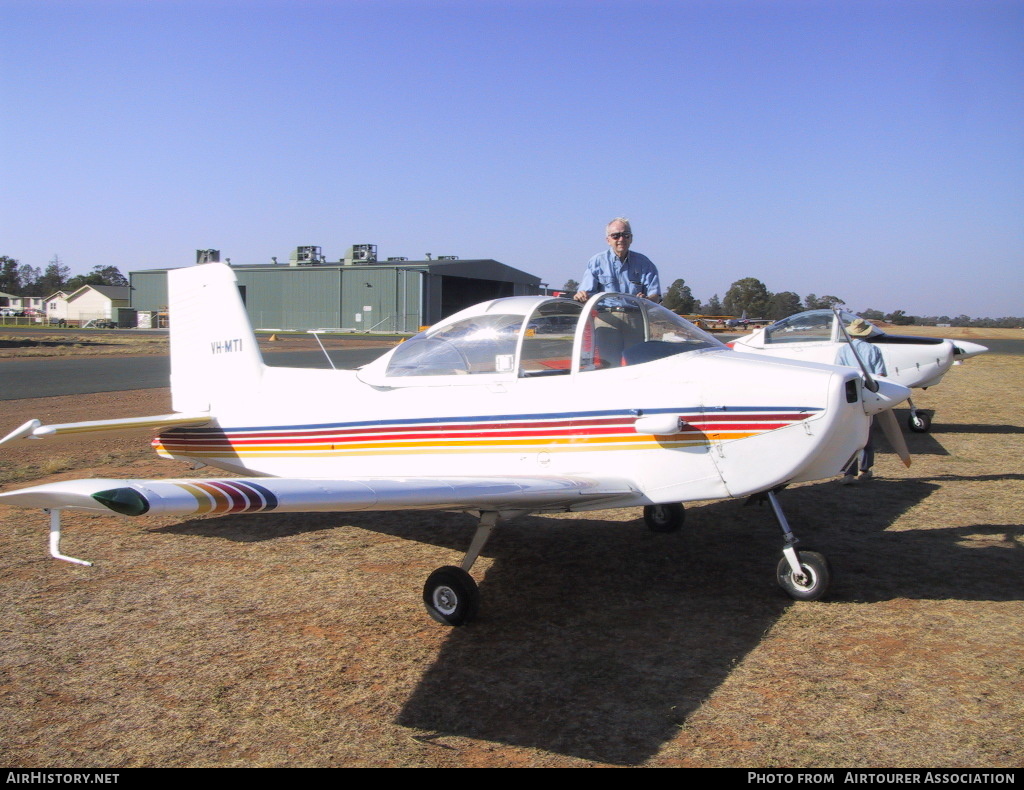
(536, 336)
(811, 326)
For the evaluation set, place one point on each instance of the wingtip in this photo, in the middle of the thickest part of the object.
(28, 429)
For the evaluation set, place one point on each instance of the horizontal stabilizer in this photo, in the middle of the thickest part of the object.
(297, 495)
(34, 429)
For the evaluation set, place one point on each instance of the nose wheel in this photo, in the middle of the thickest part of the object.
(804, 575)
(811, 583)
(918, 421)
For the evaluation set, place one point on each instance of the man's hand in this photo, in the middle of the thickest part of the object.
(581, 296)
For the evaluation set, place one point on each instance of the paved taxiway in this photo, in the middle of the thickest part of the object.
(41, 377)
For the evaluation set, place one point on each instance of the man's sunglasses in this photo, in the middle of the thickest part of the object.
(620, 235)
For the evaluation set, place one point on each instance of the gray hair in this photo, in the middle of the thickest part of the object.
(623, 220)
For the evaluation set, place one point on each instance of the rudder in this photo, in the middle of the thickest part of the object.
(214, 354)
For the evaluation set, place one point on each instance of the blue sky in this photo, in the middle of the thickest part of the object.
(869, 150)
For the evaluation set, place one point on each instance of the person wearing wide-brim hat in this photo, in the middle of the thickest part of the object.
(858, 327)
(873, 360)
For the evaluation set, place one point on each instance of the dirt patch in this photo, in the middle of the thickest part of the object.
(301, 640)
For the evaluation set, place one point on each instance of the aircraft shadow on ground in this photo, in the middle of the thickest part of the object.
(976, 428)
(938, 426)
(599, 639)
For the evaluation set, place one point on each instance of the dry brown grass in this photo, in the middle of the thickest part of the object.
(301, 640)
(59, 344)
(954, 332)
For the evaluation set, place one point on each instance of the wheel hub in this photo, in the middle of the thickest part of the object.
(445, 600)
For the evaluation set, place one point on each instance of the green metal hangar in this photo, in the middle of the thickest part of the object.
(355, 293)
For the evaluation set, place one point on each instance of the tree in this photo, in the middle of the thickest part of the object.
(54, 278)
(9, 282)
(873, 315)
(828, 302)
(100, 275)
(28, 278)
(812, 302)
(570, 287)
(747, 295)
(110, 275)
(783, 304)
(678, 297)
(714, 306)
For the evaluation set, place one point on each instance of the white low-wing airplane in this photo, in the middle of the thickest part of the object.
(817, 336)
(517, 405)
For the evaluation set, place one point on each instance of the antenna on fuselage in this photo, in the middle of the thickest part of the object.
(316, 333)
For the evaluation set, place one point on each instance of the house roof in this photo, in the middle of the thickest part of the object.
(114, 293)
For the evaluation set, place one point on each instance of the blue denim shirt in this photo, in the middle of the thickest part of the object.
(605, 272)
(873, 359)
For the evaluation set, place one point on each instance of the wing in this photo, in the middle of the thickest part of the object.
(295, 495)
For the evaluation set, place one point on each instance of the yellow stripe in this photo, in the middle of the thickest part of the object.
(221, 501)
(448, 446)
(203, 502)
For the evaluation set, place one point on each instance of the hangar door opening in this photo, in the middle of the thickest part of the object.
(458, 293)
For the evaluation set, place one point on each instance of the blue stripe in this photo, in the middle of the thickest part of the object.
(738, 410)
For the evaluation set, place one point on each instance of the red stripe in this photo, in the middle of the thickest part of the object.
(565, 428)
(239, 502)
(256, 500)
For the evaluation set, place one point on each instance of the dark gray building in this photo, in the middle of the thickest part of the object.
(396, 296)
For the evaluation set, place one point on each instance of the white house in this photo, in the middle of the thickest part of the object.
(96, 302)
(56, 306)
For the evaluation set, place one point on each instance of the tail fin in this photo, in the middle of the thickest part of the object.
(214, 355)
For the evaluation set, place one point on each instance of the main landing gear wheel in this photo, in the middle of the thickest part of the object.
(919, 422)
(451, 596)
(812, 584)
(664, 518)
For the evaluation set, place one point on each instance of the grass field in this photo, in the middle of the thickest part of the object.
(302, 641)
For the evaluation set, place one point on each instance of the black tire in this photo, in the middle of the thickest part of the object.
(817, 577)
(664, 518)
(920, 422)
(451, 596)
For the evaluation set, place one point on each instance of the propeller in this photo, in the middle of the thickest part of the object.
(890, 425)
(893, 432)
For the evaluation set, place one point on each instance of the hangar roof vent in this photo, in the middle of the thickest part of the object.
(360, 254)
(306, 256)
